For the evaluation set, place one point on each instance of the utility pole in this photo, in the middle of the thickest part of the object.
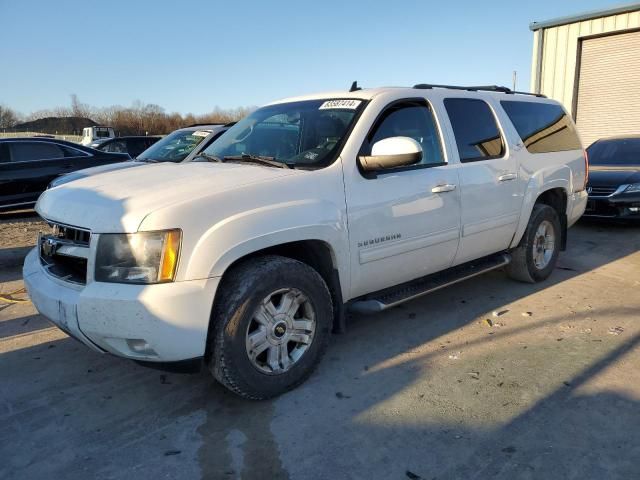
(515, 80)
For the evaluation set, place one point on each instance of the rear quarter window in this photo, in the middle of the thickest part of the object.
(543, 127)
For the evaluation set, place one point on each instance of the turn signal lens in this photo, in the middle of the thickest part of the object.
(169, 256)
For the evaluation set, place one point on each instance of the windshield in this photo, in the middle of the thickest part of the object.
(623, 151)
(174, 147)
(307, 133)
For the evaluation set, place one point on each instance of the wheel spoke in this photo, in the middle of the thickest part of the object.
(290, 303)
(258, 339)
(300, 337)
(304, 325)
(273, 358)
(285, 361)
(263, 316)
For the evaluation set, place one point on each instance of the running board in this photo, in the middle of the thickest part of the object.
(390, 297)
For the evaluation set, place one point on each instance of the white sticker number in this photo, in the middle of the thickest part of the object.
(344, 104)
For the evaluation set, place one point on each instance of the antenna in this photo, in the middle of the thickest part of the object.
(354, 87)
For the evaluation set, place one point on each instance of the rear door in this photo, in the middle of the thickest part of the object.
(490, 196)
(31, 166)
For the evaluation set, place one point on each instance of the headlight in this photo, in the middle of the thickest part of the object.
(143, 257)
(633, 188)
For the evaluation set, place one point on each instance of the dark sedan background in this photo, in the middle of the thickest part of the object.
(614, 178)
(27, 165)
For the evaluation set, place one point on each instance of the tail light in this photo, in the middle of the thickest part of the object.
(586, 169)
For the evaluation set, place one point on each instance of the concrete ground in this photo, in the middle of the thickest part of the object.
(547, 388)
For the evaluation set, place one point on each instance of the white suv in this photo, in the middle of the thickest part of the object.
(247, 257)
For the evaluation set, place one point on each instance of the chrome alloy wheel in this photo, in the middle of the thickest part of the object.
(544, 244)
(280, 331)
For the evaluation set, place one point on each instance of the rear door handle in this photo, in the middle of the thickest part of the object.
(447, 187)
(507, 176)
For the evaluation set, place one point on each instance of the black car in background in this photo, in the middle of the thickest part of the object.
(27, 166)
(614, 178)
(179, 146)
(134, 146)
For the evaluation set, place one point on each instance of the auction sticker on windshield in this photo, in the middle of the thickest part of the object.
(348, 104)
(201, 133)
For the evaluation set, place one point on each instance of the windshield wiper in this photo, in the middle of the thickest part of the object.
(262, 160)
(209, 158)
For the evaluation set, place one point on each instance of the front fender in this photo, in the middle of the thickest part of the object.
(247, 232)
(540, 182)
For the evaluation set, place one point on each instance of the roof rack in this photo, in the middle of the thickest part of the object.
(484, 88)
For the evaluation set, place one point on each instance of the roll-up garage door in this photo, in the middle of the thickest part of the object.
(609, 87)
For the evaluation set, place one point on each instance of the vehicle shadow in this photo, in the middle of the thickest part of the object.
(72, 413)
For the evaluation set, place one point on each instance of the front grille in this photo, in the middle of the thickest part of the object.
(601, 191)
(64, 252)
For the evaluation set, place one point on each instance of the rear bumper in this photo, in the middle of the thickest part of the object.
(576, 204)
(155, 323)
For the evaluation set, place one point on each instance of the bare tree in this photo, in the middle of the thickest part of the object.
(8, 118)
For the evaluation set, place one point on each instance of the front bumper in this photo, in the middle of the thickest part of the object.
(159, 323)
(613, 206)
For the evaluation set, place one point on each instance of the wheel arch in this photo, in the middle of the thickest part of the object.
(317, 254)
(555, 193)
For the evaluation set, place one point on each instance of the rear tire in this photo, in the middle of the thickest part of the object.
(271, 326)
(536, 255)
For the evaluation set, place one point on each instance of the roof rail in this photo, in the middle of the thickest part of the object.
(484, 88)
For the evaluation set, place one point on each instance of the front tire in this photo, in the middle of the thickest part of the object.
(271, 326)
(536, 255)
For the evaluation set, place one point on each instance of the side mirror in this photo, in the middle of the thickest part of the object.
(392, 152)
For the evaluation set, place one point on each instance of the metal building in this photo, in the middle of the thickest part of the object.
(591, 63)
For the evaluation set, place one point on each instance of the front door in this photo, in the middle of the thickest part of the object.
(403, 223)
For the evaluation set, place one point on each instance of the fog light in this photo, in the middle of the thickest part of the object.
(140, 346)
(634, 209)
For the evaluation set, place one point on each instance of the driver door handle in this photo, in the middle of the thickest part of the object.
(447, 187)
(507, 176)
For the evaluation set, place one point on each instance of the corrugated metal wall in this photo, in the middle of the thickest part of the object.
(559, 52)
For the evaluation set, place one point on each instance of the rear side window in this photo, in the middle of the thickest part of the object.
(72, 152)
(26, 151)
(4, 153)
(543, 127)
(474, 126)
(412, 119)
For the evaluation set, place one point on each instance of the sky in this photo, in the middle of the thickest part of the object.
(194, 55)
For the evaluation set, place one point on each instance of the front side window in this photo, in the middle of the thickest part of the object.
(306, 133)
(174, 147)
(27, 151)
(474, 126)
(543, 127)
(412, 119)
(618, 151)
(117, 146)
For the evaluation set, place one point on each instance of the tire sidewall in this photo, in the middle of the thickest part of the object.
(540, 214)
(234, 323)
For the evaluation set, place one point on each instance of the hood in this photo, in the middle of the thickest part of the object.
(610, 176)
(85, 172)
(118, 200)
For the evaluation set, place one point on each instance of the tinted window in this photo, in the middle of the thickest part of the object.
(410, 119)
(72, 152)
(475, 128)
(623, 151)
(543, 127)
(4, 152)
(25, 151)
